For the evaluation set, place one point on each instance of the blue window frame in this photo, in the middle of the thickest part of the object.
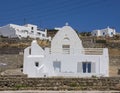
(89, 67)
(84, 67)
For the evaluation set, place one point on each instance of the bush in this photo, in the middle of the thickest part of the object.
(101, 41)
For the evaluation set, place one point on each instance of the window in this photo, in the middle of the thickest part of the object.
(43, 35)
(37, 64)
(29, 51)
(86, 67)
(66, 49)
(20, 36)
(45, 76)
(57, 66)
(103, 33)
(38, 33)
(32, 28)
(66, 39)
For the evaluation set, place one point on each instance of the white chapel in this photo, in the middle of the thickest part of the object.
(65, 58)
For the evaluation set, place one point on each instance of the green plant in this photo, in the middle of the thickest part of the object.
(73, 84)
(101, 41)
(19, 86)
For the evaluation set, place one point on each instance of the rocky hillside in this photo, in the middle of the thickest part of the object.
(11, 52)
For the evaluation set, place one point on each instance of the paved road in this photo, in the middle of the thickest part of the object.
(31, 91)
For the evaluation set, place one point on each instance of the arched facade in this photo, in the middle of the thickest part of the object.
(66, 36)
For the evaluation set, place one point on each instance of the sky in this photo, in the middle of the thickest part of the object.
(82, 15)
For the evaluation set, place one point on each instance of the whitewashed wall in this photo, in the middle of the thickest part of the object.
(47, 57)
(107, 32)
(25, 31)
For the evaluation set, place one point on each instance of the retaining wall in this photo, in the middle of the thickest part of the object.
(23, 83)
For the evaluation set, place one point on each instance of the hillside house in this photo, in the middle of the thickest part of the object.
(28, 30)
(104, 32)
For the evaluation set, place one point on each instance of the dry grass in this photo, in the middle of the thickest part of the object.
(113, 70)
(114, 52)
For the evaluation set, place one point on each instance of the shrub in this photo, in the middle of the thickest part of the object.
(100, 41)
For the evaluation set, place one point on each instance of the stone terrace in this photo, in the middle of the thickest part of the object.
(59, 84)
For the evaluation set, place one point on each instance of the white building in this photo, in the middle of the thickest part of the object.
(104, 32)
(28, 30)
(66, 58)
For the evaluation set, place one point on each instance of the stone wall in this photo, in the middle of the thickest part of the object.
(10, 61)
(11, 51)
(23, 83)
(114, 65)
(115, 60)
